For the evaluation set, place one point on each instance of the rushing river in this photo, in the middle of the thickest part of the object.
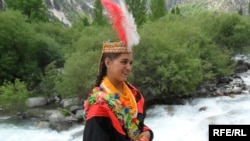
(169, 122)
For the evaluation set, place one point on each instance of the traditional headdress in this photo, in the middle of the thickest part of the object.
(124, 24)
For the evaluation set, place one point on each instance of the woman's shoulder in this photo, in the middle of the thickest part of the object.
(100, 96)
(131, 86)
(135, 91)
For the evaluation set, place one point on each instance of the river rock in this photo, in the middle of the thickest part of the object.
(36, 102)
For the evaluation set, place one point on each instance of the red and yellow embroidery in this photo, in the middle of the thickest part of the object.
(123, 107)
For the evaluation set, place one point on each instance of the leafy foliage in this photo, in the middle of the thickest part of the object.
(158, 9)
(35, 10)
(248, 8)
(175, 10)
(79, 74)
(98, 14)
(229, 31)
(192, 8)
(193, 58)
(50, 79)
(172, 59)
(17, 48)
(81, 67)
(27, 49)
(177, 56)
(14, 95)
(138, 9)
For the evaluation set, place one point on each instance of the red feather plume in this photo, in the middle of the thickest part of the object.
(116, 17)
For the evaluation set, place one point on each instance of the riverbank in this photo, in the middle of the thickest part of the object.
(172, 122)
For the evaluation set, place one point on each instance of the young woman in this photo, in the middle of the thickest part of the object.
(115, 109)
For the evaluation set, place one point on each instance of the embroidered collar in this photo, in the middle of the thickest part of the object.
(125, 97)
(122, 112)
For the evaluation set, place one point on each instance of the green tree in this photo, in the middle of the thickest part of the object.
(79, 74)
(33, 9)
(17, 50)
(157, 8)
(227, 30)
(240, 11)
(177, 56)
(98, 14)
(248, 8)
(14, 95)
(139, 10)
(176, 10)
(28, 48)
(51, 77)
(180, 53)
(85, 21)
(81, 67)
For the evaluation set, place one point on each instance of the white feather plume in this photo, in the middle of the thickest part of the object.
(130, 27)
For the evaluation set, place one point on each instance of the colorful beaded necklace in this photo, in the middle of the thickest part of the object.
(119, 106)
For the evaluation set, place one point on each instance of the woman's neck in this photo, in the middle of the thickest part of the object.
(117, 84)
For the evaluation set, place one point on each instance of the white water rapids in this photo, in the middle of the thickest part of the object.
(171, 123)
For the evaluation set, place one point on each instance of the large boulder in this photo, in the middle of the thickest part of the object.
(36, 102)
(58, 122)
(70, 102)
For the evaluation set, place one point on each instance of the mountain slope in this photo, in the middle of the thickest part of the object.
(69, 10)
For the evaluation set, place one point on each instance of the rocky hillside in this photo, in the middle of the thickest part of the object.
(67, 10)
(217, 5)
(1, 4)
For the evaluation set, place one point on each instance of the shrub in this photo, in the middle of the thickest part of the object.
(14, 95)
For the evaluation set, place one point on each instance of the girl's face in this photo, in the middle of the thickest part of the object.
(119, 68)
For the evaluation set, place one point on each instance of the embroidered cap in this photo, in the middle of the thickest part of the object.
(114, 47)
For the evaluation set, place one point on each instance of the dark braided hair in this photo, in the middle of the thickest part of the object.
(103, 68)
